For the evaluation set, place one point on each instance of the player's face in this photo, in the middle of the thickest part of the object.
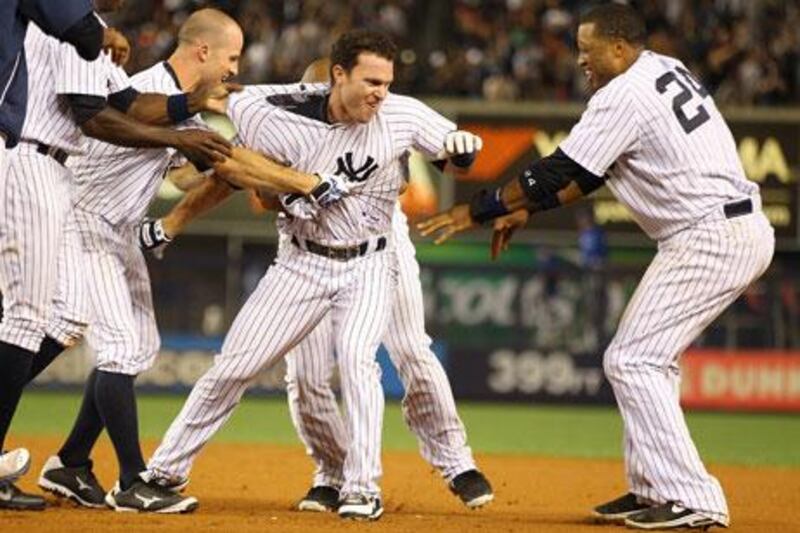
(598, 57)
(365, 87)
(222, 60)
(106, 6)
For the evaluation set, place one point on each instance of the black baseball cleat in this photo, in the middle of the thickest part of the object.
(618, 510)
(361, 507)
(11, 497)
(473, 488)
(321, 499)
(150, 497)
(670, 516)
(74, 483)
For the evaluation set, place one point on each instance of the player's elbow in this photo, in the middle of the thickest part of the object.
(86, 36)
(93, 128)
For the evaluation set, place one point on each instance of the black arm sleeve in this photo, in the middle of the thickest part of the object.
(85, 107)
(122, 100)
(542, 180)
(86, 36)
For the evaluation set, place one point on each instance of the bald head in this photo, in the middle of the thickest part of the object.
(318, 71)
(209, 48)
(208, 26)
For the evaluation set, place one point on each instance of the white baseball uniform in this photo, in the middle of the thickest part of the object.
(672, 161)
(115, 186)
(302, 287)
(38, 231)
(428, 405)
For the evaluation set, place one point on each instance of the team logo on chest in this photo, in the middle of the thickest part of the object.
(346, 167)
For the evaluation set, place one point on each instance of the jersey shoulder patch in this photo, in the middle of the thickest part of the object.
(309, 105)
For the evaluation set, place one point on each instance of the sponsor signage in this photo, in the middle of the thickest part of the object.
(764, 380)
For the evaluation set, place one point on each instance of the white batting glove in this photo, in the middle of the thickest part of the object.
(331, 189)
(299, 206)
(462, 142)
(462, 147)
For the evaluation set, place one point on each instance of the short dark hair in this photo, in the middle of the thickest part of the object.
(618, 21)
(347, 47)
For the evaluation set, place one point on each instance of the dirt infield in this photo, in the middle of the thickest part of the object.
(251, 487)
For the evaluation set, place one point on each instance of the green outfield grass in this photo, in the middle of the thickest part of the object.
(493, 428)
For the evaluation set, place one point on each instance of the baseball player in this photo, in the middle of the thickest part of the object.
(73, 22)
(67, 97)
(115, 187)
(339, 263)
(428, 406)
(652, 133)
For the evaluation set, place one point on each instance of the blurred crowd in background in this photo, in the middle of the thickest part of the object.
(746, 51)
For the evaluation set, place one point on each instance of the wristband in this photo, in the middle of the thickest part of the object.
(486, 205)
(463, 160)
(178, 108)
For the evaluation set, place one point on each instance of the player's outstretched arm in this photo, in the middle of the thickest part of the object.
(113, 127)
(250, 170)
(548, 183)
(198, 201)
(162, 110)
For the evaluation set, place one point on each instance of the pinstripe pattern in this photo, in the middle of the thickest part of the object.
(34, 195)
(296, 293)
(428, 406)
(313, 407)
(671, 159)
(123, 334)
(693, 278)
(54, 68)
(119, 183)
(314, 146)
(69, 314)
(668, 179)
(300, 289)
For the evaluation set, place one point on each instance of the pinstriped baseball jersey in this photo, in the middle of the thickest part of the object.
(119, 183)
(291, 128)
(668, 153)
(55, 69)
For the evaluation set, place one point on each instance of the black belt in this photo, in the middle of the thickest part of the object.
(738, 209)
(56, 153)
(342, 254)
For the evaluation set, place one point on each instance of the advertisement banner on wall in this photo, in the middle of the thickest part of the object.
(764, 380)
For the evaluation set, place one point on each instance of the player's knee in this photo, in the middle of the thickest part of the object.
(615, 367)
(360, 367)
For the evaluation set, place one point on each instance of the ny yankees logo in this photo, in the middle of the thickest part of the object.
(360, 174)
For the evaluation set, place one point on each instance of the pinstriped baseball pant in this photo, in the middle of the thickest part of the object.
(37, 235)
(123, 332)
(296, 293)
(428, 406)
(694, 277)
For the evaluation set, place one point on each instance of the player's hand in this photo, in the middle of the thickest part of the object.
(117, 45)
(298, 206)
(202, 147)
(447, 224)
(504, 228)
(462, 147)
(212, 97)
(153, 238)
(331, 189)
